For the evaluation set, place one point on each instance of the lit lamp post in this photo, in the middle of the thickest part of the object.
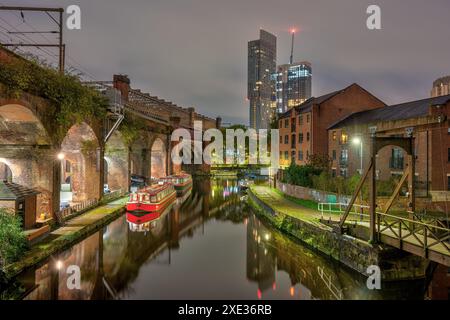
(358, 141)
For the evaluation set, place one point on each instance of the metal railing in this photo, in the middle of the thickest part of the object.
(423, 231)
(114, 195)
(67, 213)
(425, 235)
(334, 212)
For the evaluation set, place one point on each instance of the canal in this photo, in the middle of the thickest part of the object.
(209, 245)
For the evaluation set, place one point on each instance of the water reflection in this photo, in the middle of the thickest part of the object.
(207, 246)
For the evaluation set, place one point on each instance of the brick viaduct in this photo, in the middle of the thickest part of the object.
(33, 154)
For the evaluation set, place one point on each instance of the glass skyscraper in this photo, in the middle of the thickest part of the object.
(262, 56)
(293, 85)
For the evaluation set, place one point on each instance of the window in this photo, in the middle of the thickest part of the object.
(344, 138)
(448, 155)
(286, 139)
(343, 161)
(334, 155)
(286, 123)
(286, 155)
(334, 135)
(307, 136)
(343, 172)
(300, 119)
(293, 156)
(307, 118)
(396, 161)
(300, 155)
(333, 173)
(68, 166)
(293, 141)
(280, 124)
(281, 139)
(307, 154)
(300, 138)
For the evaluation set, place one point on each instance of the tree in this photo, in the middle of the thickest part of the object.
(301, 175)
(13, 241)
(320, 161)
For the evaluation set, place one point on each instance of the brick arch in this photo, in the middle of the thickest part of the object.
(159, 154)
(39, 108)
(26, 120)
(116, 158)
(139, 156)
(95, 126)
(80, 148)
(6, 172)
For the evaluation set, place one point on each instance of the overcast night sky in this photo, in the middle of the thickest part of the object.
(194, 52)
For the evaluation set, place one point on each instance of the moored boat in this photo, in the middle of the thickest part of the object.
(145, 221)
(182, 182)
(153, 198)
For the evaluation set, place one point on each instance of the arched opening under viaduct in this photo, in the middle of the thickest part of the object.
(116, 164)
(80, 165)
(27, 154)
(5, 172)
(139, 163)
(158, 159)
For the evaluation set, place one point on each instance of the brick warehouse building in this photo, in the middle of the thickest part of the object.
(428, 120)
(303, 129)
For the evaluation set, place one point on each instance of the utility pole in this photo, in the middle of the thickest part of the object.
(60, 45)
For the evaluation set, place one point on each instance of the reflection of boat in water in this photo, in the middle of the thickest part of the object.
(182, 182)
(145, 221)
(153, 198)
(180, 200)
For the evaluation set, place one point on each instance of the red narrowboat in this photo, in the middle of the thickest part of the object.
(144, 221)
(182, 182)
(153, 198)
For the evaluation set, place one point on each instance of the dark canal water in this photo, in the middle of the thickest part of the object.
(210, 246)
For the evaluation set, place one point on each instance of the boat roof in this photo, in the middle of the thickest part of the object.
(179, 175)
(155, 188)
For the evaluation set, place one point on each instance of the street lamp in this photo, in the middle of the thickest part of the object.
(61, 156)
(358, 141)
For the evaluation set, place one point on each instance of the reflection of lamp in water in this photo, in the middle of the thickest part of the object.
(292, 291)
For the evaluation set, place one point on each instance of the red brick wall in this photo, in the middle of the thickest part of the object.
(352, 99)
(440, 142)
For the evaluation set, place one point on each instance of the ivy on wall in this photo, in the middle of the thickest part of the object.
(130, 128)
(72, 101)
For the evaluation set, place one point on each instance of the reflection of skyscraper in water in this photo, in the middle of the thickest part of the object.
(261, 262)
